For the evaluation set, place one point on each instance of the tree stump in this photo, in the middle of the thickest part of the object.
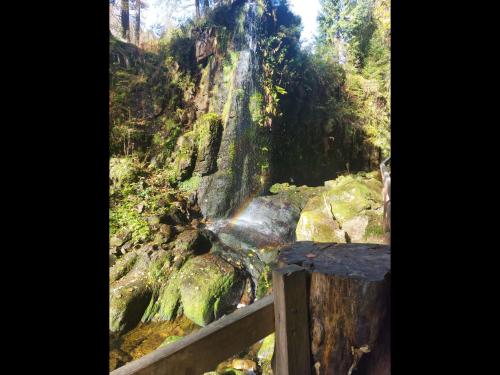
(349, 305)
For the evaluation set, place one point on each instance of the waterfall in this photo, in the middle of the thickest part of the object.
(238, 170)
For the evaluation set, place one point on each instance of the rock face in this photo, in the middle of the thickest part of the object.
(206, 43)
(209, 129)
(348, 210)
(209, 287)
(242, 163)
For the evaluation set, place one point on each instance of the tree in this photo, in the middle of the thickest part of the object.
(125, 20)
(197, 6)
(137, 21)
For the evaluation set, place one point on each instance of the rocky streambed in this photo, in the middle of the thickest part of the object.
(195, 271)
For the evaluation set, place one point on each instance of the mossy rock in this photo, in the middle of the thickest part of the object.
(350, 195)
(316, 224)
(348, 210)
(169, 340)
(129, 296)
(192, 240)
(209, 287)
(185, 156)
(122, 266)
(208, 131)
(166, 305)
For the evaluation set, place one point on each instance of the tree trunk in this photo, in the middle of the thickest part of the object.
(125, 20)
(197, 6)
(349, 305)
(206, 6)
(137, 22)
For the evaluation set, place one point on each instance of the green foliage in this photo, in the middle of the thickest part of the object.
(278, 188)
(123, 170)
(265, 282)
(355, 35)
(191, 184)
(126, 215)
(278, 45)
(256, 108)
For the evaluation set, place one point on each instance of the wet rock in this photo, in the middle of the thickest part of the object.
(209, 287)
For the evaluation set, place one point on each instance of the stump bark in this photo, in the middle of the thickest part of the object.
(349, 305)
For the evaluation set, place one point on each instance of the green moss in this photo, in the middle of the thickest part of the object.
(205, 127)
(316, 225)
(228, 72)
(122, 266)
(232, 151)
(170, 340)
(256, 108)
(123, 170)
(125, 215)
(265, 282)
(207, 286)
(374, 229)
(278, 188)
(168, 300)
(349, 196)
(192, 184)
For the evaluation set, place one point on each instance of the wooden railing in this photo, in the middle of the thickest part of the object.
(284, 312)
(386, 193)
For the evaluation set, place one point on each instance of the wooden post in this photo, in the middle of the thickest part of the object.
(349, 302)
(291, 322)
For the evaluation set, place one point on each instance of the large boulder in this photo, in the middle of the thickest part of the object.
(208, 288)
(129, 292)
(348, 210)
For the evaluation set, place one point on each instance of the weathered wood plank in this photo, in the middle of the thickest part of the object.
(291, 321)
(203, 350)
